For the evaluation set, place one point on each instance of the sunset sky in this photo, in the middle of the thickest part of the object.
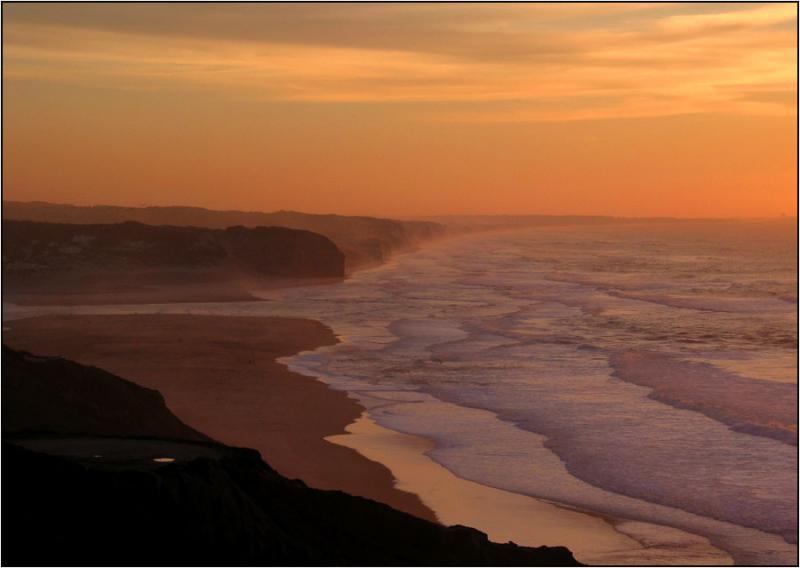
(403, 110)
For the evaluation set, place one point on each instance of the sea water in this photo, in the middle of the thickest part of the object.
(599, 367)
(542, 328)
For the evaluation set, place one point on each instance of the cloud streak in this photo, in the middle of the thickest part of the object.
(546, 62)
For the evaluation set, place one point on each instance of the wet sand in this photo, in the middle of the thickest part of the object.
(507, 516)
(220, 376)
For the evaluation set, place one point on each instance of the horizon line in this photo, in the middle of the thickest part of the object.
(413, 216)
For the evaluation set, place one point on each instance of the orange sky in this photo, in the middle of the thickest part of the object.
(400, 110)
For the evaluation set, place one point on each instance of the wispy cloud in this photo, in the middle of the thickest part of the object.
(547, 62)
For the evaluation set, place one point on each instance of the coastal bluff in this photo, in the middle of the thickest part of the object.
(63, 258)
(364, 240)
(264, 251)
(88, 499)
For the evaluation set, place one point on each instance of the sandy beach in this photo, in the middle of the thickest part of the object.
(131, 287)
(219, 375)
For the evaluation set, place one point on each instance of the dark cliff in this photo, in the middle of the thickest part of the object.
(364, 240)
(100, 500)
(281, 252)
(226, 508)
(31, 248)
(50, 394)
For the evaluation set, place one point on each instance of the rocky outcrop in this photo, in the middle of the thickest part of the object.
(54, 395)
(364, 240)
(277, 251)
(46, 248)
(226, 510)
(79, 500)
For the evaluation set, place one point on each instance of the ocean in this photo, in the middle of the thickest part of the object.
(645, 372)
(614, 362)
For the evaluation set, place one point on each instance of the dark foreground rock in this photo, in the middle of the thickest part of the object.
(54, 395)
(232, 509)
(111, 500)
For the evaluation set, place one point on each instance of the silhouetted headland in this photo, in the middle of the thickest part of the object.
(363, 240)
(215, 264)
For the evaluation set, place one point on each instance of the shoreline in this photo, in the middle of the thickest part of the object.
(505, 515)
(219, 375)
(397, 472)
